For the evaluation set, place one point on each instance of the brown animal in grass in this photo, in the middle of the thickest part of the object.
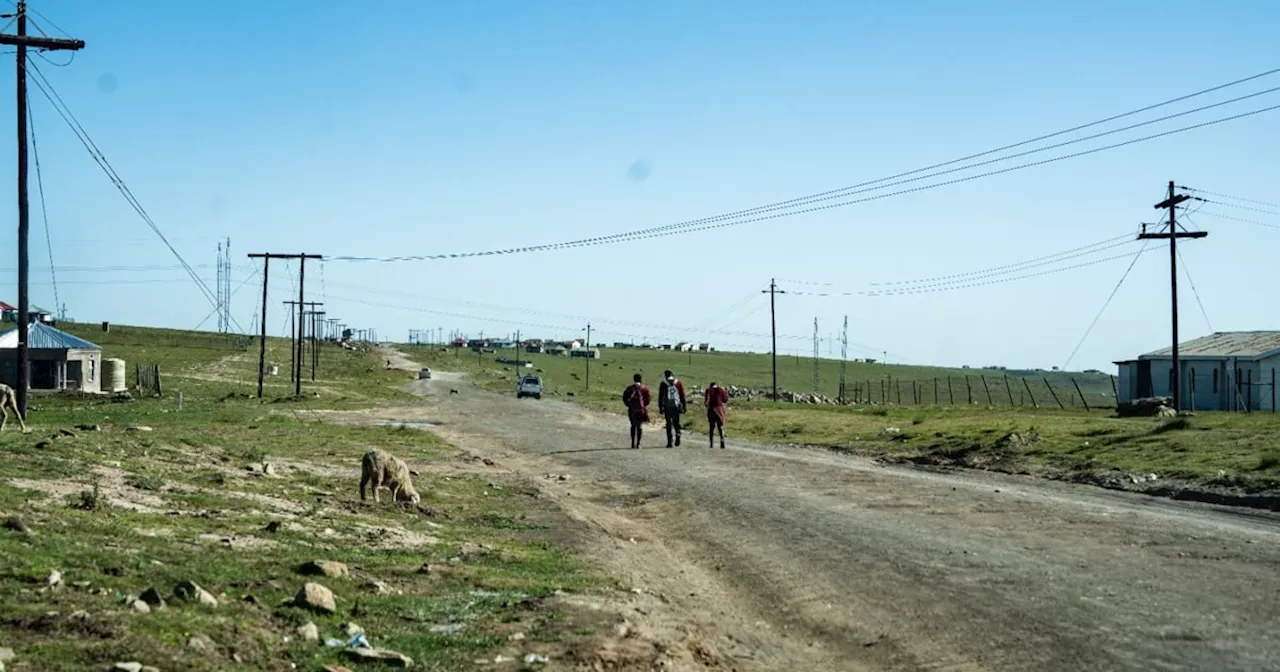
(9, 400)
(384, 470)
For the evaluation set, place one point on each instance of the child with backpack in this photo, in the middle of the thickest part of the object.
(636, 398)
(671, 404)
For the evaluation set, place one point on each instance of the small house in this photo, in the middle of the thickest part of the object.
(587, 353)
(57, 360)
(1224, 371)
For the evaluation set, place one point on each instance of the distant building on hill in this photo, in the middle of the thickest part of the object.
(57, 360)
(1224, 371)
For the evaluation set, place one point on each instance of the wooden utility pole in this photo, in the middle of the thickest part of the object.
(295, 367)
(21, 41)
(588, 386)
(773, 291)
(1172, 235)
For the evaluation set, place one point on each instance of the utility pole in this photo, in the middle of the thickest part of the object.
(773, 324)
(844, 355)
(294, 367)
(1172, 235)
(816, 353)
(588, 357)
(21, 41)
(315, 341)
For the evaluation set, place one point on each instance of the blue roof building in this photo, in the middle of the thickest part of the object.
(57, 360)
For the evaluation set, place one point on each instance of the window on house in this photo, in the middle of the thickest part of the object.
(1215, 380)
(92, 368)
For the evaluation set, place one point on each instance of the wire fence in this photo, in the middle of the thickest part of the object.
(978, 390)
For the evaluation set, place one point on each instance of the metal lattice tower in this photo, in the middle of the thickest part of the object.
(816, 353)
(844, 355)
(222, 326)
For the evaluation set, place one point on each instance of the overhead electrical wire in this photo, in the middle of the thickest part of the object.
(1105, 304)
(1195, 292)
(243, 284)
(81, 134)
(946, 287)
(1234, 198)
(715, 221)
(1238, 219)
(1237, 206)
(44, 208)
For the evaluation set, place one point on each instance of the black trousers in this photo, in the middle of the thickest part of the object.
(673, 420)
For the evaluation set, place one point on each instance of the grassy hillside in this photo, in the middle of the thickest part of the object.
(878, 383)
(109, 501)
(1218, 449)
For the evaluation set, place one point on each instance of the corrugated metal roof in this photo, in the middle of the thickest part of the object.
(1225, 344)
(44, 337)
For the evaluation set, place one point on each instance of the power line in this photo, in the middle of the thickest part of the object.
(1250, 208)
(1235, 198)
(1194, 291)
(44, 208)
(643, 234)
(1239, 219)
(68, 116)
(945, 287)
(1104, 306)
(233, 293)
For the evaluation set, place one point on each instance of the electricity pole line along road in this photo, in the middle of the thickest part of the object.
(262, 342)
(773, 291)
(22, 41)
(1172, 235)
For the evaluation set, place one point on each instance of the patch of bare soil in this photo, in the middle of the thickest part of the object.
(111, 486)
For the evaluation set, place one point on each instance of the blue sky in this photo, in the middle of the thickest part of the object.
(404, 128)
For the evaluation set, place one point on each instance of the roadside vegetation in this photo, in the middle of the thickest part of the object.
(135, 531)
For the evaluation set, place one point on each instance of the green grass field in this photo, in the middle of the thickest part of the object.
(118, 510)
(1052, 440)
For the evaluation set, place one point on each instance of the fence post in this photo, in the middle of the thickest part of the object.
(951, 397)
(1082, 399)
(968, 388)
(1008, 389)
(936, 402)
(1030, 395)
(1193, 391)
(1114, 391)
(1052, 393)
(897, 386)
(987, 388)
(159, 391)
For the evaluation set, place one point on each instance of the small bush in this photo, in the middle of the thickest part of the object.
(90, 500)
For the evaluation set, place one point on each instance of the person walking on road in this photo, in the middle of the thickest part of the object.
(636, 398)
(671, 403)
(716, 399)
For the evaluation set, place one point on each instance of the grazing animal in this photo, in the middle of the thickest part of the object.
(9, 400)
(453, 390)
(384, 470)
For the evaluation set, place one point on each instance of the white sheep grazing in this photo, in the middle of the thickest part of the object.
(9, 400)
(384, 470)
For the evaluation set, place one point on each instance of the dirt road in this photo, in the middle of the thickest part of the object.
(788, 558)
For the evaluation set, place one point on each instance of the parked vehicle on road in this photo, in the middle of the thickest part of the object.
(529, 386)
(424, 374)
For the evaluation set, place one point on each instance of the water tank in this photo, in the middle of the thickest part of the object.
(113, 379)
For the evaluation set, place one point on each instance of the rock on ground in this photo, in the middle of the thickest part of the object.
(384, 656)
(329, 568)
(316, 597)
(191, 592)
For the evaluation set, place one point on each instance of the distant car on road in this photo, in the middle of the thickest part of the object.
(424, 374)
(529, 386)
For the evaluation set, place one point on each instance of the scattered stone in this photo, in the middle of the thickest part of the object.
(621, 630)
(89, 428)
(189, 591)
(272, 527)
(269, 469)
(309, 632)
(564, 477)
(7, 654)
(380, 588)
(202, 643)
(533, 658)
(515, 637)
(488, 462)
(350, 630)
(54, 578)
(15, 524)
(384, 656)
(470, 550)
(44, 444)
(65, 432)
(445, 628)
(127, 667)
(317, 597)
(78, 615)
(140, 606)
(138, 428)
(336, 668)
(329, 568)
(426, 568)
